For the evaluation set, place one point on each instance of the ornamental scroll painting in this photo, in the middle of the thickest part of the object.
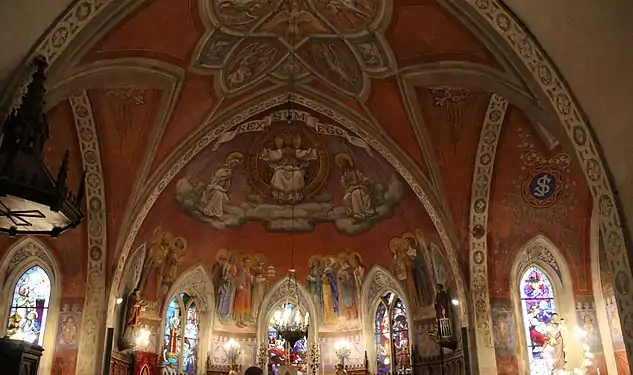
(290, 178)
(29, 308)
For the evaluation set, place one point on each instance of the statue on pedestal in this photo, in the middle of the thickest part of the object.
(132, 316)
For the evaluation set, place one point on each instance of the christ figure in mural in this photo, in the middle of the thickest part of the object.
(289, 164)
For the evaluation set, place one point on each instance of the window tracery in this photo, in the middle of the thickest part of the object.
(393, 354)
(180, 350)
(538, 306)
(29, 306)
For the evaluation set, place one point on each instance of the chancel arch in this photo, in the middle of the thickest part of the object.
(189, 302)
(233, 124)
(540, 289)
(28, 262)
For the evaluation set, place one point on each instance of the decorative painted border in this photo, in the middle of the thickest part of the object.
(557, 93)
(203, 141)
(92, 330)
(480, 200)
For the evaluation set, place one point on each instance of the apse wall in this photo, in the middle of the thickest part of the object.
(337, 236)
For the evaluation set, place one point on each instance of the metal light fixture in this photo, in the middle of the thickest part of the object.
(343, 351)
(290, 324)
(32, 201)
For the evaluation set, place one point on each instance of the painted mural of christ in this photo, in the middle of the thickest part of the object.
(289, 164)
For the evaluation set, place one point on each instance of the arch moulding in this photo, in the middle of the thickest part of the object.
(379, 282)
(196, 282)
(266, 102)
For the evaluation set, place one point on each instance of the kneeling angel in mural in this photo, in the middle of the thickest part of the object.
(215, 195)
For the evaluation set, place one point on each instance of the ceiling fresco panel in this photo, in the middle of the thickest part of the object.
(453, 118)
(536, 191)
(162, 29)
(125, 117)
(195, 100)
(422, 31)
(385, 104)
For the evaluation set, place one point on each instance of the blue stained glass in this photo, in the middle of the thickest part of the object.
(181, 334)
(190, 343)
(27, 318)
(538, 304)
(383, 339)
(172, 333)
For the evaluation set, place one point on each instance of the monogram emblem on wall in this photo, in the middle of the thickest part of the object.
(543, 186)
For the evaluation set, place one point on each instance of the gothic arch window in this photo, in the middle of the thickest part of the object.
(180, 351)
(538, 305)
(393, 353)
(29, 306)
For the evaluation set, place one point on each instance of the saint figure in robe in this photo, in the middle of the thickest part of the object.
(357, 201)
(216, 194)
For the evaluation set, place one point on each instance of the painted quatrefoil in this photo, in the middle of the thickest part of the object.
(339, 42)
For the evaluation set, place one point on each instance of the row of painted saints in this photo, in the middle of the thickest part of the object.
(288, 170)
(334, 282)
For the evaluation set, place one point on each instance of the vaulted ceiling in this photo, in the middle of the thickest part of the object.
(159, 78)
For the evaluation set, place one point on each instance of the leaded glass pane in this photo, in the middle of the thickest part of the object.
(538, 304)
(400, 334)
(27, 318)
(172, 333)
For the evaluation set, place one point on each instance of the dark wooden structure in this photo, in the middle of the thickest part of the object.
(19, 357)
(121, 364)
(445, 364)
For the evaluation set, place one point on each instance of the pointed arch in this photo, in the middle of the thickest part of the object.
(196, 283)
(265, 100)
(541, 254)
(273, 299)
(378, 282)
(21, 257)
(275, 296)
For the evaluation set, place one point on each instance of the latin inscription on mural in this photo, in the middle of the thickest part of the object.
(297, 176)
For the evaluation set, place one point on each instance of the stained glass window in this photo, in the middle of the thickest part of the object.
(180, 347)
(27, 318)
(392, 336)
(538, 304)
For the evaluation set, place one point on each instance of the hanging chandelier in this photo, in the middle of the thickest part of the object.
(32, 201)
(289, 322)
